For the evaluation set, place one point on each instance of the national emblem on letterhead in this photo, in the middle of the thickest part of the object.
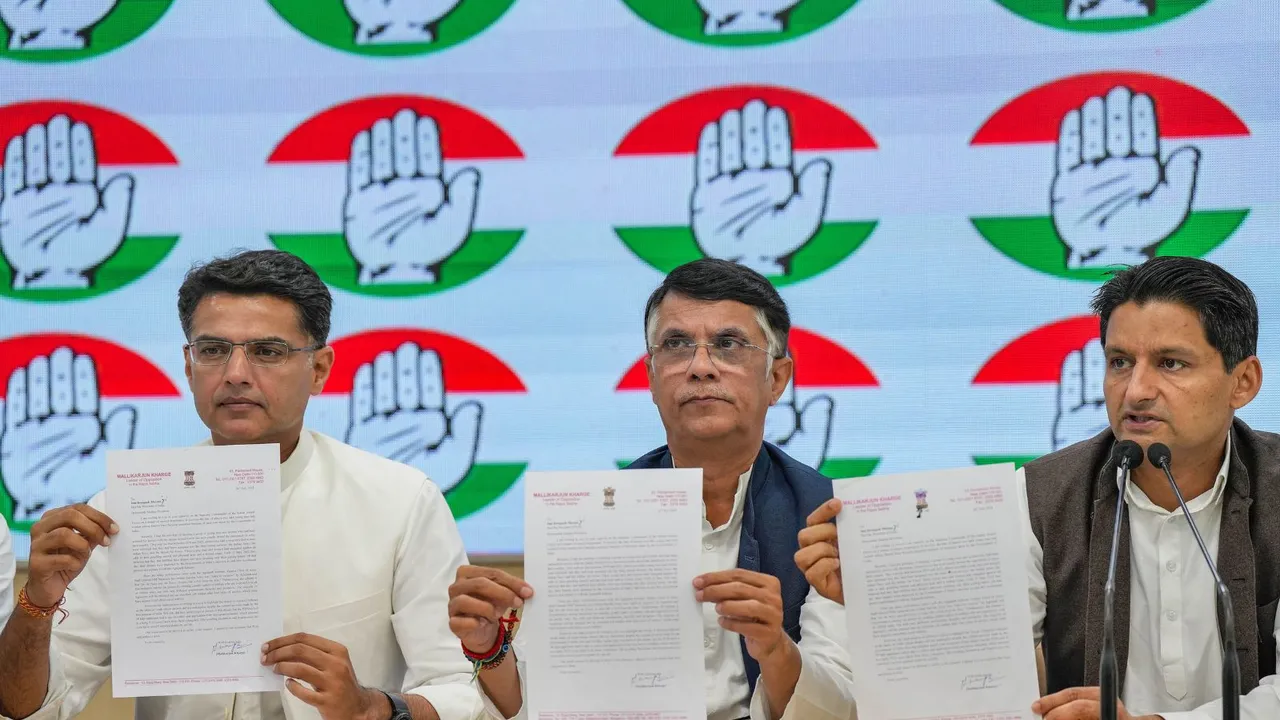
(189, 478)
(922, 502)
(608, 497)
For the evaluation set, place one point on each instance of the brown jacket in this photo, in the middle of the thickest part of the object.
(1072, 496)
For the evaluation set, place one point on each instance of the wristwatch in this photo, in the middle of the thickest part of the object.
(399, 708)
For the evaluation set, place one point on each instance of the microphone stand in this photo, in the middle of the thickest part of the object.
(1108, 683)
(1227, 631)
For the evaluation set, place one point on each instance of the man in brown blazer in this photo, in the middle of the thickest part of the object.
(1179, 338)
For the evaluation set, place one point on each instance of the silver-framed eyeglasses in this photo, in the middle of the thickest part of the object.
(264, 353)
(727, 350)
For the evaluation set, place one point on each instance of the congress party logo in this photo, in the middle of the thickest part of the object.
(403, 387)
(68, 399)
(68, 189)
(1067, 354)
(67, 30)
(390, 28)
(800, 423)
(405, 224)
(1122, 178)
(1101, 15)
(753, 199)
(737, 23)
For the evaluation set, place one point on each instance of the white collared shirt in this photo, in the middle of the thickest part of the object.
(825, 688)
(1174, 666)
(7, 570)
(370, 548)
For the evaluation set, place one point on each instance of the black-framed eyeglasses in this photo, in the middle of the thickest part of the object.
(728, 350)
(264, 353)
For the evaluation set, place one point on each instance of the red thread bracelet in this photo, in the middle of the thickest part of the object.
(494, 655)
(42, 613)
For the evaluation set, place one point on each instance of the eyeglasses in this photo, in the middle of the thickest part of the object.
(264, 353)
(723, 350)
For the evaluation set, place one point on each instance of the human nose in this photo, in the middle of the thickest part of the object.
(1143, 385)
(701, 365)
(238, 366)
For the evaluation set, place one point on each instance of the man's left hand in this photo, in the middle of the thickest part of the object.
(326, 667)
(1080, 703)
(750, 604)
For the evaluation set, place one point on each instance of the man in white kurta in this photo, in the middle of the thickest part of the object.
(370, 547)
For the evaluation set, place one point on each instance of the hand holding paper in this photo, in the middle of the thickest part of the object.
(750, 604)
(478, 599)
(326, 668)
(61, 543)
(819, 554)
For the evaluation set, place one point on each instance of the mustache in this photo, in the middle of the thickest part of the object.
(236, 398)
(701, 393)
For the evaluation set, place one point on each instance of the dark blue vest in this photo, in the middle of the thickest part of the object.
(781, 494)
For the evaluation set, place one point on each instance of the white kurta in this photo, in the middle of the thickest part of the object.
(370, 548)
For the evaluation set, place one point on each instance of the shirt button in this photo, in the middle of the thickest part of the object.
(708, 546)
(1172, 565)
(1171, 615)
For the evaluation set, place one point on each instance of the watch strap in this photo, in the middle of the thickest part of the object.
(399, 708)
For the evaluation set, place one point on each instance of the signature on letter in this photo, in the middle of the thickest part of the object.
(981, 681)
(230, 647)
(649, 680)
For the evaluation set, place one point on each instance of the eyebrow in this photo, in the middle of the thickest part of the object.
(274, 338)
(731, 330)
(1159, 351)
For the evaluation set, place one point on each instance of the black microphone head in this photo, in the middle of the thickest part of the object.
(1127, 453)
(1159, 454)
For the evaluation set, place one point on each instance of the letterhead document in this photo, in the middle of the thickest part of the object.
(935, 588)
(613, 626)
(195, 572)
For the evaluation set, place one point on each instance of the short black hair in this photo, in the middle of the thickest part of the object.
(260, 272)
(1227, 308)
(712, 280)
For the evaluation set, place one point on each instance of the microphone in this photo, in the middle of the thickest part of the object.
(1160, 456)
(1126, 455)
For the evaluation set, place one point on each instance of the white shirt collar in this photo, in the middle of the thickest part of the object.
(739, 497)
(291, 469)
(1139, 499)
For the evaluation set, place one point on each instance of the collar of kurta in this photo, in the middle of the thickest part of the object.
(1137, 499)
(739, 496)
(291, 469)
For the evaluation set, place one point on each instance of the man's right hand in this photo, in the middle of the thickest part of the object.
(61, 543)
(819, 554)
(478, 598)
